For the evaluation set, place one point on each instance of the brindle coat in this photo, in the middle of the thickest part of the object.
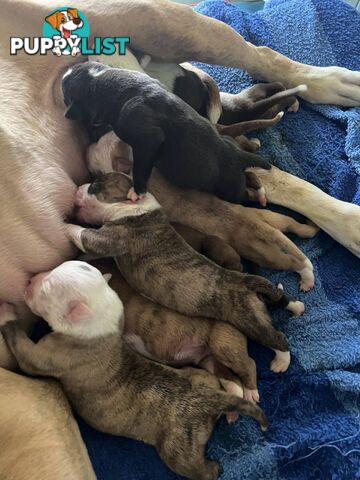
(119, 392)
(159, 264)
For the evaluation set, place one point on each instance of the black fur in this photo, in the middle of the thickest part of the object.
(161, 129)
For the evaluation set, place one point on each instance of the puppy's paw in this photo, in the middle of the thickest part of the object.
(232, 417)
(294, 107)
(281, 362)
(133, 196)
(296, 307)
(251, 395)
(7, 313)
(307, 279)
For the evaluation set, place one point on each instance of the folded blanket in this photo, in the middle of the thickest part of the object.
(314, 407)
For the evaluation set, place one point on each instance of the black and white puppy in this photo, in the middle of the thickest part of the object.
(161, 129)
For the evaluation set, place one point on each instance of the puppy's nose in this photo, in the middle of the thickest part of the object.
(77, 20)
(94, 188)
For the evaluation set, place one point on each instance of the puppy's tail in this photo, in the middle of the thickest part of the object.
(237, 129)
(272, 295)
(222, 403)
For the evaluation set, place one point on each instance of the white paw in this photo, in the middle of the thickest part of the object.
(57, 51)
(306, 285)
(251, 395)
(307, 280)
(74, 234)
(7, 313)
(281, 361)
(296, 307)
(256, 141)
(294, 107)
(75, 51)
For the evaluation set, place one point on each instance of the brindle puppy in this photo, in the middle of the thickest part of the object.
(113, 388)
(159, 264)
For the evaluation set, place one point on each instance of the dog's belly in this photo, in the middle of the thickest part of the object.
(41, 161)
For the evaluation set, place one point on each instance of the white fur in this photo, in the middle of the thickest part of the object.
(74, 233)
(281, 361)
(214, 111)
(55, 290)
(95, 73)
(296, 307)
(92, 211)
(100, 155)
(307, 276)
(67, 73)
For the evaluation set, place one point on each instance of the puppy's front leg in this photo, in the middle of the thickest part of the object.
(339, 219)
(90, 240)
(32, 358)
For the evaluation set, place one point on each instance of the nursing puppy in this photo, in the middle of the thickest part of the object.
(161, 129)
(159, 264)
(174, 339)
(114, 389)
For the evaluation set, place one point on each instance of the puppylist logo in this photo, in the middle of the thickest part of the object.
(66, 31)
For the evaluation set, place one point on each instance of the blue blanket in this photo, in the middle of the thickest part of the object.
(314, 407)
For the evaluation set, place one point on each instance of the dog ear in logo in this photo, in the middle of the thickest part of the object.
(54, 20)
(73, 112)
(75, 16)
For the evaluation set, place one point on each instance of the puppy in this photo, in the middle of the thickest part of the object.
(168, 337)
(112, 154)
(114, 389)
(160, 128)
(159, 264)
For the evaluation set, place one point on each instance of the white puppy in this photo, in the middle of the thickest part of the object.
(49, 295)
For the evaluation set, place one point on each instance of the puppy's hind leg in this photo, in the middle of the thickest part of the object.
(186, 456)
(229, 347)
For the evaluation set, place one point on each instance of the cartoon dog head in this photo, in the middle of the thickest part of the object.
(65, 21)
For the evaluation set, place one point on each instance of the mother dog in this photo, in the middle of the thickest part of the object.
(42, 154)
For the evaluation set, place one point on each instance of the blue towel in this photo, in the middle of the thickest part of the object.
(314, 407)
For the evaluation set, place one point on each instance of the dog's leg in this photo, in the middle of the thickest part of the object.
(249, 231)
(339, 219)
(229, 347)
(32, 358)
(182, 35)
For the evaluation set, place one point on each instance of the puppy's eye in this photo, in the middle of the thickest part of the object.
(70, 17)
(62, 20)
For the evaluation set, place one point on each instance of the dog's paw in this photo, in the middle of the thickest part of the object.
(232, 417)
(296, 307)
(251, 395)
(7, 313)
(281, 362)
(307, 279)
(133, 196)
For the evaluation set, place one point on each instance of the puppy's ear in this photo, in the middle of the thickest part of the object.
(107, 277)
(73, 112)
(53, 20)
(73, 12)
(78, 311)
